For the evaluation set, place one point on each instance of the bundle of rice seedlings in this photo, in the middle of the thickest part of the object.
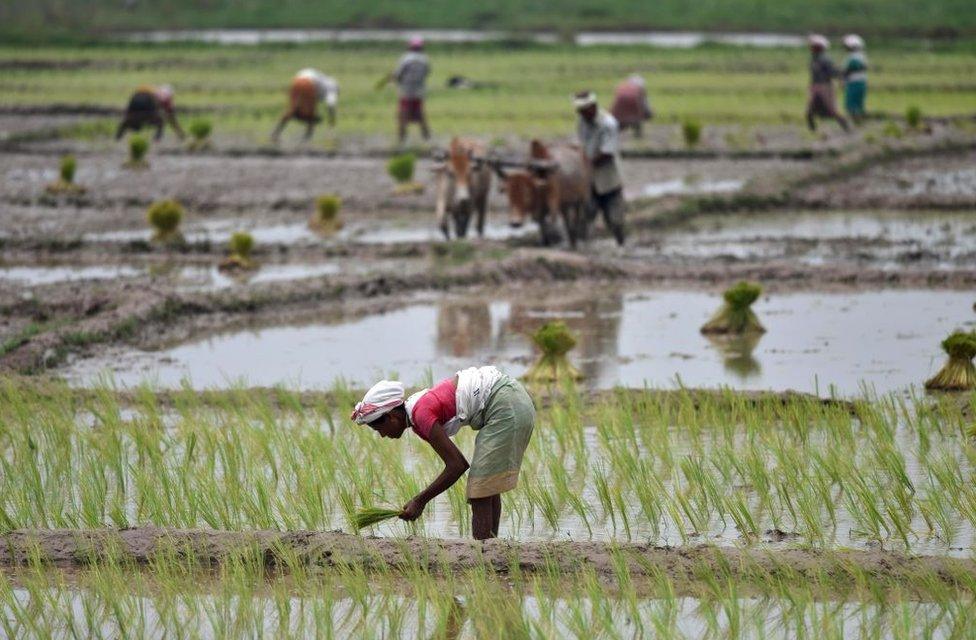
(66, 181)
(165, 216)
(325, 219)
(554, 340)
(200, 130)
(138, 147)
(241, 244)
(691, 131)
(401, 169)
(913, 116)
(958, 374)
(372, 515)
(735, 315)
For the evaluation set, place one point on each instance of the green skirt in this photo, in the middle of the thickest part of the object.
(504, 428)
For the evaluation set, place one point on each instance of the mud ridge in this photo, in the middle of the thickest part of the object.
(683, 565)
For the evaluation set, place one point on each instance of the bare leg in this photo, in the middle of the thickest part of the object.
(482, 514)
(281, 126)
(496, 514)
(424, 129)
(309, 128)
(842, 121)
(123, 126)
(401, 128)
(811, 121)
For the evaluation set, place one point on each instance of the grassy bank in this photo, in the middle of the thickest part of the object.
(872, 17)
(525, 91)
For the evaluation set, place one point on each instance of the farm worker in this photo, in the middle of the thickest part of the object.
(821, 103)
(492, 403)
(599, 136)
(411, 78)
(630, 106)
(150, 106)
(309, 87)
(855, 77)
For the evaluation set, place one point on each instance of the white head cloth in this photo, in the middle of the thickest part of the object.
(581, 102)
(817, 40)
(382, 397)
(636, 78)
(853, 41)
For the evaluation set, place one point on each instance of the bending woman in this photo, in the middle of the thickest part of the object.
(492, 403)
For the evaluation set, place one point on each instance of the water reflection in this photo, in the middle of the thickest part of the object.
(593, 317)
(463, 327)
(736, 352)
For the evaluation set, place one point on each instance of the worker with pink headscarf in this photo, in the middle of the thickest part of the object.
(492, 403)
(410, 76)
(150, 107)
(821, 102)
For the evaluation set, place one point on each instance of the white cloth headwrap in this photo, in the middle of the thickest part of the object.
(382, 397)
(581, 102)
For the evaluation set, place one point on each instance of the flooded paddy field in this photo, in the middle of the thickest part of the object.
(815, 342)
(174, 436)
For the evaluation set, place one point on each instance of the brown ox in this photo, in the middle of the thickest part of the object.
(544, 193)
(463, 184)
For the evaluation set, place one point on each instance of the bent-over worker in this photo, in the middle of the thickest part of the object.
(150, 107)
(308, 88)
(630, 105)
(492, 403)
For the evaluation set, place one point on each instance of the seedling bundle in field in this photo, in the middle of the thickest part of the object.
(554, 341)
(958, 373)
(241, 245)
(164, 217)
(200, 130)
(736, 316)
(138, 148)
(325, 219)
(65, 184)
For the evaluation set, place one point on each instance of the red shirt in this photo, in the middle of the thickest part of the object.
(437, 405)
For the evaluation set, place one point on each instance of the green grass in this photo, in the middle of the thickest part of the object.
(871, 16)
(681, 469)
(175, 597)
(245, 88)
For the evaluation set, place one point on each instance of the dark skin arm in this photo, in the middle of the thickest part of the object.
(602, 159)
(455, 465)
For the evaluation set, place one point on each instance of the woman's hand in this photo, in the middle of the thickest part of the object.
(412, 510)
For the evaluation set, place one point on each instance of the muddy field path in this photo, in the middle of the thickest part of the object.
(686, 566)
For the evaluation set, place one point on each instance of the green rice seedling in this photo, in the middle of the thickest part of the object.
(958, 373)
(325, 219)
(241, 244)
(736, 316)
(138, 147)
(691, 131)
(66, 181)
(372, 515)
(401, 169)
(164, 217)
(913, 117)
(200, 130)
(554, 340)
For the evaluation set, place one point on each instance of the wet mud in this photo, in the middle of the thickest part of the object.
(685, 566)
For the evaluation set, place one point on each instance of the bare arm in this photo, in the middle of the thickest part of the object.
(455, 464)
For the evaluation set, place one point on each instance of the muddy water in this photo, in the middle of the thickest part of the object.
(886, 238)
(816, 342)
(40, 275)
(666, 39)
(386, 612)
